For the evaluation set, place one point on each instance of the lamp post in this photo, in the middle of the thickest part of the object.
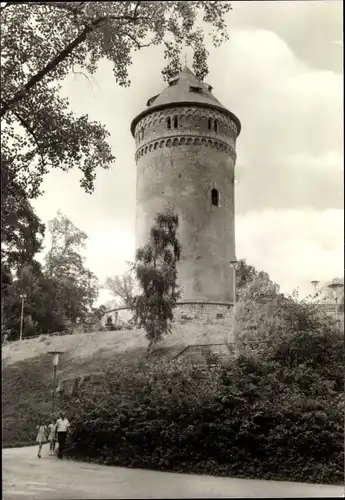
(55, 355)
(335, 287)
(315, 283)
(23, 297)
(234, 265)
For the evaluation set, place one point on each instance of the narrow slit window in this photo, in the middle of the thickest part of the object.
(175, 121)
(216, 125)
(142, 134)
(169, 122)
(209, 124)
(215, 197)
(173, 82)
(197, 90)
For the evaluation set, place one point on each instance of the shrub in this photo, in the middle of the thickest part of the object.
(250, 419)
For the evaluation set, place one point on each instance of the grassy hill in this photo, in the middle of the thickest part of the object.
(27, 367)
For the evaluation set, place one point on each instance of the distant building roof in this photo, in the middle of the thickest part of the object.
(185, 89)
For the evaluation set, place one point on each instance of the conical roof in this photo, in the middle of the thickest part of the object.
(183, 90)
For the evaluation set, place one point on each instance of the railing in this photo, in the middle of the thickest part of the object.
(199, 348)
(72, 331)
(187, 303)
(330, 307)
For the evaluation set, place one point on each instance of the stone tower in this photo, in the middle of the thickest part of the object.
(185, 156)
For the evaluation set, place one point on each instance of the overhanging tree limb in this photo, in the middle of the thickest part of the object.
(58, 5)
(51, 65)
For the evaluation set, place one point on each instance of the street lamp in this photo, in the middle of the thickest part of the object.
(23, 297)
(234, 266)
(55, 355)
(315, 283)
(335, 287)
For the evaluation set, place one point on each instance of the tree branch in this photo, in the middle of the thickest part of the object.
(53, 63)
(138, 44)
(136, 9)
(84, 75)
(57, 5)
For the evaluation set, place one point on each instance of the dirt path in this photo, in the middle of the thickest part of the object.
(26, 476)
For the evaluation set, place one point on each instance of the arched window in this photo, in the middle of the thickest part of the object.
(175, 121)
(209, 124)
(215, 197)
(216, 125)
(169, 122)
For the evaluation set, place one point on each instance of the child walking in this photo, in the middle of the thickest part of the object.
(41, 437)
(52, 436)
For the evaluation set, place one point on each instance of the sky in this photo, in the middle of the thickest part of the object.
(281, 74)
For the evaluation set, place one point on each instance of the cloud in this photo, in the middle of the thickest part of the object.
(293, 246)
(309, 28)
(292, 124)
(117, 248)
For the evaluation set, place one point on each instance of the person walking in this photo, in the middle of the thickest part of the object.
(62, 426)
(52, 436)
(41, 437)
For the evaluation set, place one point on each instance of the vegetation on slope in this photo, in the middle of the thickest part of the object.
(276, 418)
(277, 412)
(27, 368)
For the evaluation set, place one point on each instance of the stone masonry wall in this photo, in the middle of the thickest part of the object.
(202, 312)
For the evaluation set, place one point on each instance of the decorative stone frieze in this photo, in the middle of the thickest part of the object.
(185, 140)
(189, 119)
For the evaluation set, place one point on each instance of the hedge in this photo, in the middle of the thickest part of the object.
(279, 418)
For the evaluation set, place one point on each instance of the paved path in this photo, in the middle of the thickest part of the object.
(27, 477)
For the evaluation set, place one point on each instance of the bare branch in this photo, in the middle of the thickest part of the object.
(82, 74)
(138, 44)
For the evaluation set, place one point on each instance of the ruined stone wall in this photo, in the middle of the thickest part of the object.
(178, 167)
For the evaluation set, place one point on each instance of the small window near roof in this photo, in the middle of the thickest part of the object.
(151, 100)
(216, 125)
(197, 90)
(175, 121)
(215, 197)
(168, 122)
(173, 82)
(210, 124)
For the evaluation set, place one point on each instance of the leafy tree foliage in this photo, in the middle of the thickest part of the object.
(275, 412)
(42, 42)
(156, 273)
(58, 295)
(77, 286)
(22, 232)
(266, 320)
(245, 274)
(122, 287)
(258, 418)
(22, 235)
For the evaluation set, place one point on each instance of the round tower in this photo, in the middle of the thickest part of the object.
(185, 156)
